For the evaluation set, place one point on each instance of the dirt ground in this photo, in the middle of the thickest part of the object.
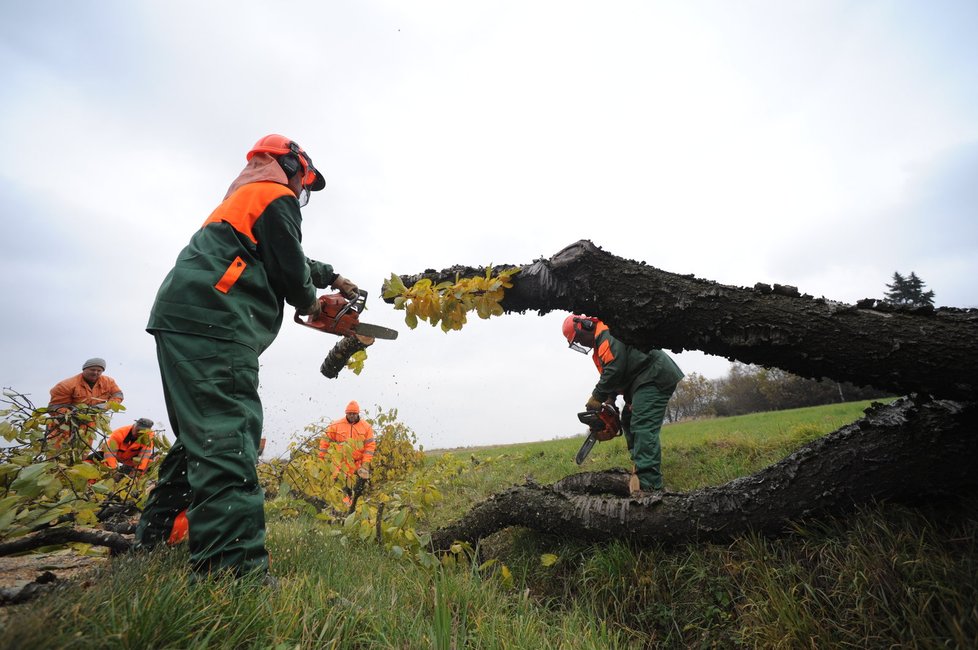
(24, 577)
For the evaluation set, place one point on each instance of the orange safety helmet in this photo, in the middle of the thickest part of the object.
(574, 325)
(291, 157)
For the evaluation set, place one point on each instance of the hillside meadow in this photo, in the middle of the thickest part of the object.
(884, 576)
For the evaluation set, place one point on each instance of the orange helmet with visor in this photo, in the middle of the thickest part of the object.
(576, 324)
(293, 159)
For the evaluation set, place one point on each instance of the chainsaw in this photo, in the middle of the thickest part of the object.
(603, 424)
(341, 317)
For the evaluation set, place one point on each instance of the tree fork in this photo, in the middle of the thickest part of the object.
(922, 350)
(905, 452)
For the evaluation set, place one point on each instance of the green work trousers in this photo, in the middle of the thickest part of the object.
(211, 392)
(642, 426)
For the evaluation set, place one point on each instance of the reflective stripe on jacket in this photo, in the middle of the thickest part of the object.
(357, 438)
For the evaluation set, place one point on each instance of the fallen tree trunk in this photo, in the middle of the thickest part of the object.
(900, 452)
(903, 452)
(930, 351)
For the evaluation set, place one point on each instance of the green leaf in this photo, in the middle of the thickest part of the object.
(366, 530)
(85, 470)
(400, 518)
(7, 431)
(50, 485)
(7, 472)
(393, 287)
(7, 513)
(27, 482)
(86, 516)
(46, 516)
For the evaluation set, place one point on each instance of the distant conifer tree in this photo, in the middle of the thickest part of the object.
(908, 291)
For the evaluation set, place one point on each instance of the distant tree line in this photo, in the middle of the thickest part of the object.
(749, 389)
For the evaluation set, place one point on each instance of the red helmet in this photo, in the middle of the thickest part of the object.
(575, 324)
(279, 145)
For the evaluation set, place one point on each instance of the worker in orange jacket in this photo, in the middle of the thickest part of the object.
(130, 448)
(358, 446)
(90, 388)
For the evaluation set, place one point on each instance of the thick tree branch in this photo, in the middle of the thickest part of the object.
(53, 536)
(338, 357)
(869, 344)
(901, 452)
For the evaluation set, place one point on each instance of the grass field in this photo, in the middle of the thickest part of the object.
(885, 576)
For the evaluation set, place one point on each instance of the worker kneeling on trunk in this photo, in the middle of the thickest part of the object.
(355, 439)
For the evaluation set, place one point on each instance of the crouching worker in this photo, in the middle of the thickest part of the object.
(645, 379)
(130, 449)
(355, 439)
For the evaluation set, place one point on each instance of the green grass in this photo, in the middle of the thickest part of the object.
(886, 576)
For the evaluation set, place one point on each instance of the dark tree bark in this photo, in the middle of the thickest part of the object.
(899, 452)
(904, 452)
(337, 358)
(924, 350)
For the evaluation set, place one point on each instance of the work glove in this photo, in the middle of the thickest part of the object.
(593, 404)
(313, 311)
(345, 286)
(363, 473)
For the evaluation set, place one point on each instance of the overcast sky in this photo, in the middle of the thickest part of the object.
(820, 144)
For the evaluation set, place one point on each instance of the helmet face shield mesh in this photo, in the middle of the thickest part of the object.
(577, 347)
(312, 178)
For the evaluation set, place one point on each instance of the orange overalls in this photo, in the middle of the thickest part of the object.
(357, 438)
(75, 390)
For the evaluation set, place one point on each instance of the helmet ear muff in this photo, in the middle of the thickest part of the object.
(586, 324)
(290, 164)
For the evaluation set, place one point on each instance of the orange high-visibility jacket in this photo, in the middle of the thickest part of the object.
(359, 436)
(133, 453)
(75, 390)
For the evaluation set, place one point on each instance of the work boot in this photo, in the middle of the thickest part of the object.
(649, 494)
